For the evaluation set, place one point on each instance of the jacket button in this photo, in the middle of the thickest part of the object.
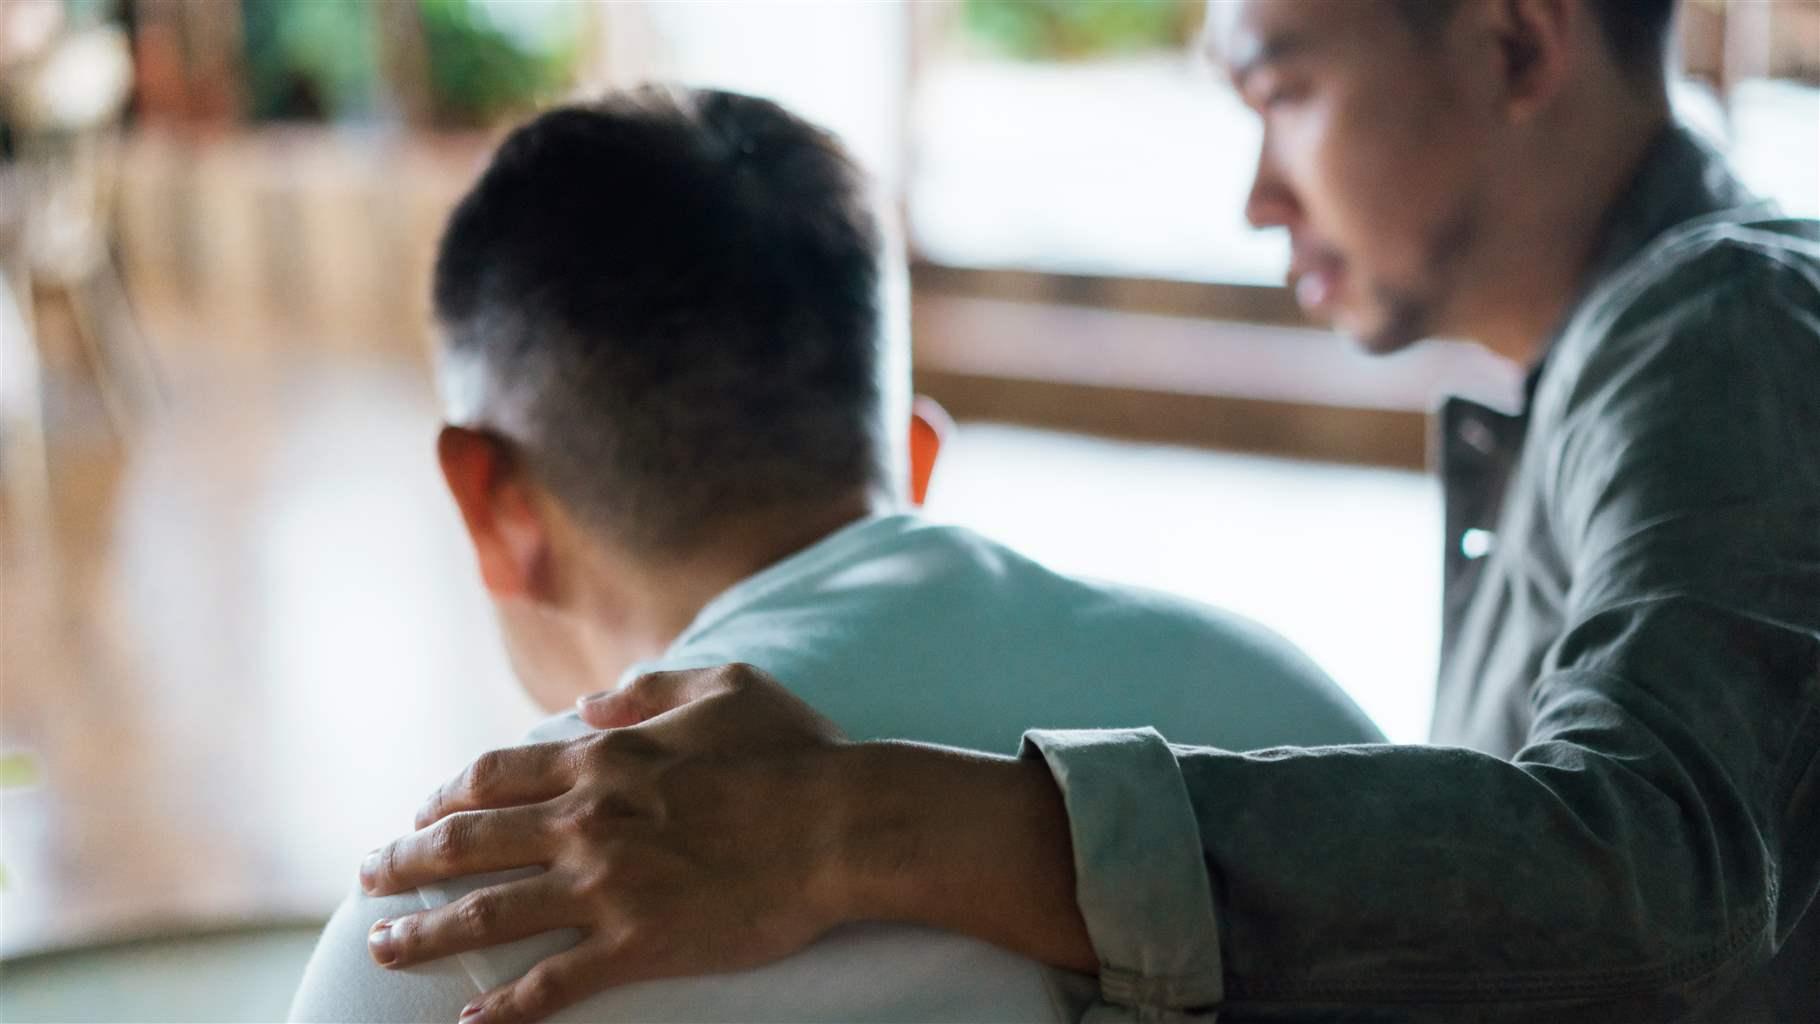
(1476, 543)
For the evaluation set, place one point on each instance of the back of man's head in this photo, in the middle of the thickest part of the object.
(668, 303)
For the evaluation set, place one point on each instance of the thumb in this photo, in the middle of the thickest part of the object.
(650, 695)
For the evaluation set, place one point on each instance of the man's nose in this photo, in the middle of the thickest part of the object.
(1270, 203)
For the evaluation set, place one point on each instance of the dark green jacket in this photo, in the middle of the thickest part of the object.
(1619, 818)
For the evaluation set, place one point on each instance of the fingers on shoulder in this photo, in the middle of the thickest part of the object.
(554, 984)
(502, 778)
(485, 917)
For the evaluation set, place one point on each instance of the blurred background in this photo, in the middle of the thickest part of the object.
(228, 566)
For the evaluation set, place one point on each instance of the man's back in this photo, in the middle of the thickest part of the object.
(894, 627)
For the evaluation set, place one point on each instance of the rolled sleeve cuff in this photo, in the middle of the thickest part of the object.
(1140, 877)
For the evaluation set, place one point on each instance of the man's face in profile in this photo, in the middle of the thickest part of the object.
(1372, 158)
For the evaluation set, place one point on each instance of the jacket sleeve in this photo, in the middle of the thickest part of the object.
(1654, 841)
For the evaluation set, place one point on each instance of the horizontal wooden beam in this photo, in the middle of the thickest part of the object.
(1380, 437)
(1286, 391)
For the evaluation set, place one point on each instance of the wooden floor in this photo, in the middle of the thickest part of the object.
(252, 646)
(256, 641)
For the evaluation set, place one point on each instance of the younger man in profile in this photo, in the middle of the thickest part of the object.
(676, 382)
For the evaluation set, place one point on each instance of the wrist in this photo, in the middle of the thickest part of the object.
(837, 830)
(863, 841)
(949, 839)
(883, 805)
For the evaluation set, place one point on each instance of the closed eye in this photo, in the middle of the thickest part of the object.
(1283, 94)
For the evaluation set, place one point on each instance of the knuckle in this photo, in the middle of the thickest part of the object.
(594, 750)
(539, 991)
(641, 694)
(621, 745)
(388, 866)
(579, 820)
(595, 745)
(448, 841)
(478, 914)
(485, 774)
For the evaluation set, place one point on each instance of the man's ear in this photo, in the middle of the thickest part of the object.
(1536, 46)
(930, 425)
(510, 540)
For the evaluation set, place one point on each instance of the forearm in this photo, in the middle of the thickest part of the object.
(1433, 877)
(1609, 874)
(958, 840)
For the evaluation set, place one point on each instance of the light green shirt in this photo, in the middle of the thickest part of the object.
(899, 628)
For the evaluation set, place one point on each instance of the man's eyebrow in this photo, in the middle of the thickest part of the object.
(1272, 50)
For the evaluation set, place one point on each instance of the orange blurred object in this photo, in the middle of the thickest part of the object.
(930, 425)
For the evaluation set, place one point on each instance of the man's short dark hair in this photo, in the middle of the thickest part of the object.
(1635, 30)
(677, 294)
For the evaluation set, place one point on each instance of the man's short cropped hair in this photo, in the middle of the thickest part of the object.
(673, 296)
(1636, 31)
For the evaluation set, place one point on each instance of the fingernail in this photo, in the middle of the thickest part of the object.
(379, 943)
(473, 1013)
(585, 700)
(369, 871)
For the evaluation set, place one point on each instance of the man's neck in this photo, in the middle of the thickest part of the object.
(677, 590)
(647, 603)
(1557, 222)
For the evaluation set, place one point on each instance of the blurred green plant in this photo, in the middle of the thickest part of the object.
(492, 58)
(310, 59)
(1073, 29)
(17, 771)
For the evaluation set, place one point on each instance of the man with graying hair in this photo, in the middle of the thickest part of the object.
(1620, 817)
(675, 370)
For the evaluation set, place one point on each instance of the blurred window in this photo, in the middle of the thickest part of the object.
(1751, 80)
(1063, 137)
(841, 65)
(1082, 137)
(1052, 159)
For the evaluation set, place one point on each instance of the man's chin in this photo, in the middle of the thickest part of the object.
(1381, 343)
(1382, 323)
(1381, 332)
